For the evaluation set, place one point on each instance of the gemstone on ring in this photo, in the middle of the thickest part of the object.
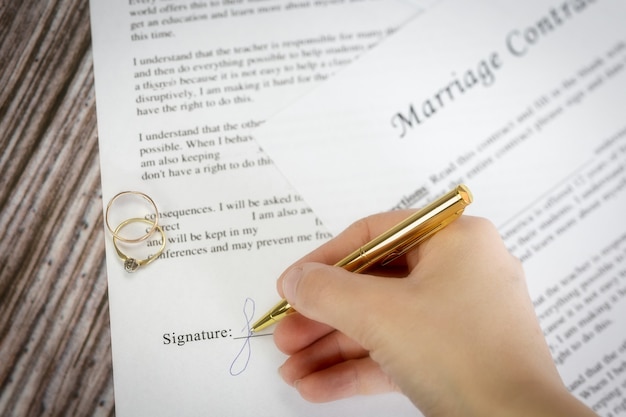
(131, 265)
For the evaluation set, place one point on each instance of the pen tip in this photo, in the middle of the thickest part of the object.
(262, 323)
(279, 311)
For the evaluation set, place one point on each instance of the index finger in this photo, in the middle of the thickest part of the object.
(353, 237)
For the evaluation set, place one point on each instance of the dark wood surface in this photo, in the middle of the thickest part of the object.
(55, 345)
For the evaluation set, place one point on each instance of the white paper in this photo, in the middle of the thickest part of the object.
(181, 88)
(525, 103)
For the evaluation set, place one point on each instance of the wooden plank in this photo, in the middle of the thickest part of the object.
(55, 344)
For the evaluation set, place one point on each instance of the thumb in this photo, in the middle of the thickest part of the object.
(334, 296)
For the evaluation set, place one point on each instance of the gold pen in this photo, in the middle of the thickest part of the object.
(393, 243)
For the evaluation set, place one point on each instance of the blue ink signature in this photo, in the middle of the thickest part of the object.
(241, 361)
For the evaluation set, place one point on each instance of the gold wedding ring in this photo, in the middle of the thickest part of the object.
(132, 264)
(154, 224)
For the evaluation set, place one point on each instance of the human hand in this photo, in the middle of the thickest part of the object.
(455, 331)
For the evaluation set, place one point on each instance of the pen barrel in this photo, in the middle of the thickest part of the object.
(410, 232)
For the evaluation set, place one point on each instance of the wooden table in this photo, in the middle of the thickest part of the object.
(55, 344)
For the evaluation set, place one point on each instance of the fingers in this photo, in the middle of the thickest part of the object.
(346, 379)
(326, 352)
(295, 332)
(355, 236)
(341, 299)
(334, 367)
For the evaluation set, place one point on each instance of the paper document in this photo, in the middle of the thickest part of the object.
(182, 86)
(525, 103)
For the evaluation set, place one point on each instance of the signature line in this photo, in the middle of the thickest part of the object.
(253, 335)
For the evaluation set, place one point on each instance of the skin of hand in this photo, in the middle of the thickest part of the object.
(450, 325)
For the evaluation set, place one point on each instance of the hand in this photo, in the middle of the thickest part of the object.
(455, 330)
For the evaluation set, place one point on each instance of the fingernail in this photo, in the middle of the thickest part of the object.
(296, 384)
(290, 282)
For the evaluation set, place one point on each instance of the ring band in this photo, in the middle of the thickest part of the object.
(140, 238)
(131, 264)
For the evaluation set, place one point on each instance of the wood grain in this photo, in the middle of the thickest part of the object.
(55, 345)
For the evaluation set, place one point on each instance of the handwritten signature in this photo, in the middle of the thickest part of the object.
(241, 361)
